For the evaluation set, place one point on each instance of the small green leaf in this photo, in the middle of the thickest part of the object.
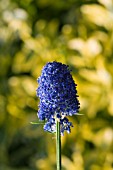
(52, 132)
(79, 114)
(40, 123)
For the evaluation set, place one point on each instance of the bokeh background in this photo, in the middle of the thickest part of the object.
(75, 32)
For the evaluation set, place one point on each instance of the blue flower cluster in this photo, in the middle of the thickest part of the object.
(58, 96)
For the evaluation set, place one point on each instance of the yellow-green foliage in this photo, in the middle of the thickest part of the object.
(75, 32)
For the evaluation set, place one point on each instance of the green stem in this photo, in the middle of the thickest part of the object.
(58, 145)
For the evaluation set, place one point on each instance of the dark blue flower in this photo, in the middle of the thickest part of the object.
(58, 96)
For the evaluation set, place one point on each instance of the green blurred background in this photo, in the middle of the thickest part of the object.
(75, 32)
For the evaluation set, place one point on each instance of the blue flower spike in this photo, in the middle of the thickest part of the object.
(58, 97)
